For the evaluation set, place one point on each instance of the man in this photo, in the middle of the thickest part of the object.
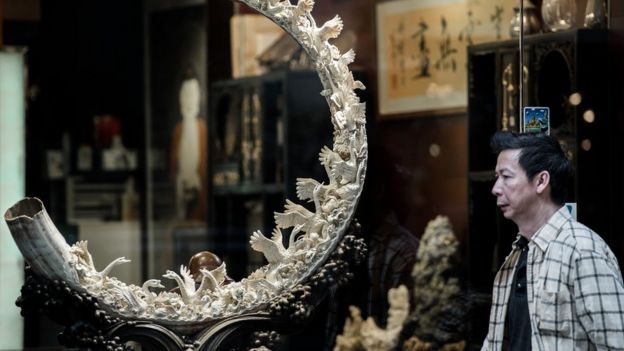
(560, 288)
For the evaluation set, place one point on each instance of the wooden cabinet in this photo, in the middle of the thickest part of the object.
(266, 131)
(558, 66)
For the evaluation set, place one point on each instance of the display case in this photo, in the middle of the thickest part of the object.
(565, 71)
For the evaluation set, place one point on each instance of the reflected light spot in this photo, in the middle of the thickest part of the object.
(586, 144)
(434, 150)
(589, 116)
(575, 99)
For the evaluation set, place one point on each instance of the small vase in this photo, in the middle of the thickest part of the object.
(595, 14)
(558, 14)
(531, 21)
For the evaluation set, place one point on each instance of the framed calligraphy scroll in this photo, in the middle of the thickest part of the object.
(421, 50)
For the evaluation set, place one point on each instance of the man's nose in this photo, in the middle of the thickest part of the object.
(496, 190)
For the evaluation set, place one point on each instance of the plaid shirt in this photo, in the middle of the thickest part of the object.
(574, 290)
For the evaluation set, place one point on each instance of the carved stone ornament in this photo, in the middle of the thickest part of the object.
(315, 234)
(366, 335)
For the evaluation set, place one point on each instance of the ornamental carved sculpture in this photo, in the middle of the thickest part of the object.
(315, 234)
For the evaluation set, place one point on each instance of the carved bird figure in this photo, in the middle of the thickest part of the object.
(307, 186)
(135, 303)
(186, 284)
(349, 191)
(303, 7)
(331, 29)
(212, 279)
(301, 218)
(116, 262)
(328, 157)
(351, 117)
(273, 249)
(145, 288)
(345, 170)
(274, 7)
(348, 57)
(294, 215)
(209, 282)
(322, 196)
(185, 281)
(80, 249)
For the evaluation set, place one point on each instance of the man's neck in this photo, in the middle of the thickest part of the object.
(540, 215)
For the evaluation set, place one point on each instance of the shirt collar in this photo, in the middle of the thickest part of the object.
(521, 242)
(549, 231)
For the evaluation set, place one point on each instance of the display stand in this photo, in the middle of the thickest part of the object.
(89, 326)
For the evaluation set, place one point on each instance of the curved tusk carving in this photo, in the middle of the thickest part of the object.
(40, 242)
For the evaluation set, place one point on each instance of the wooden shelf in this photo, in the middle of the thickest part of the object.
(291, 122)
(248, 189)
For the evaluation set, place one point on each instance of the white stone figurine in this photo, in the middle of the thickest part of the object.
(361, 334)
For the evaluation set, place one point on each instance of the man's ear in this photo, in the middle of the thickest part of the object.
(541, 181)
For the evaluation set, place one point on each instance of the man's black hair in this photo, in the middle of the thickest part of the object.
(539, 152)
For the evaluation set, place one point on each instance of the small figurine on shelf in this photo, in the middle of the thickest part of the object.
(256, 132)
(189, 153)
(118, 157)
(105, 127)
(84, 158)
(246, 143)
(359, 334)
(531, 23)
(595, 14)
(558, 15)
(251, 145)
(130, 202)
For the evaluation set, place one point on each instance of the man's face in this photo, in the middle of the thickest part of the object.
(515, 194)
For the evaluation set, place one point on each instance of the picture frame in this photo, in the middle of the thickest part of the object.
(536, 119)
(422, 51)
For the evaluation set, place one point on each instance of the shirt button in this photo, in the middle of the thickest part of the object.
(519, 285)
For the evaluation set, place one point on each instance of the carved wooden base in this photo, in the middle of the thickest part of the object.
(88, 325)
